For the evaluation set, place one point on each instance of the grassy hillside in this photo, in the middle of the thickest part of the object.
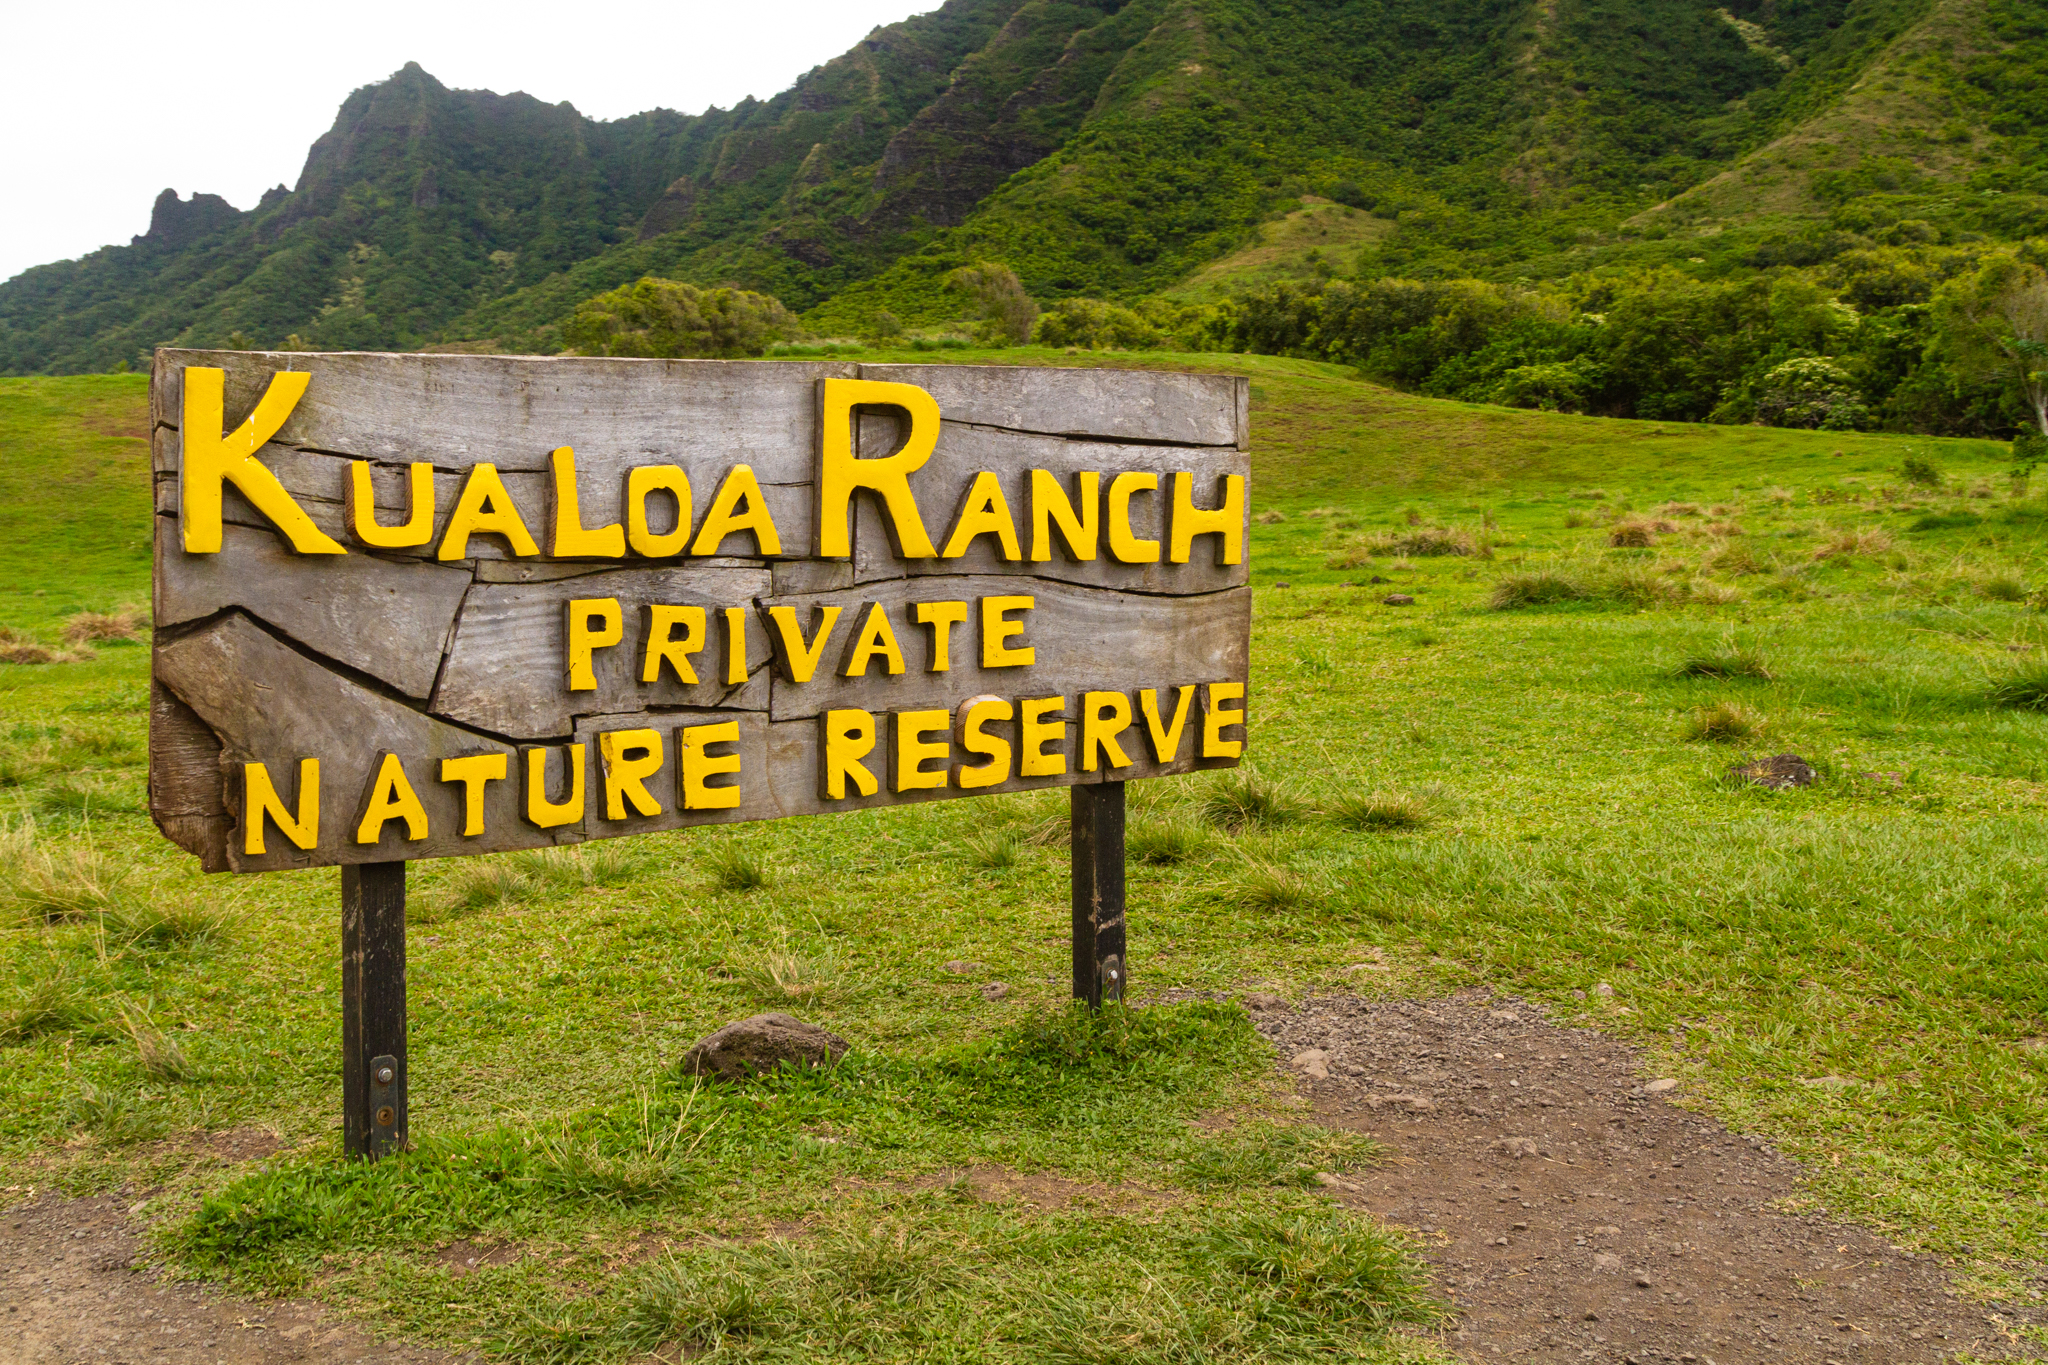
(1518, 781)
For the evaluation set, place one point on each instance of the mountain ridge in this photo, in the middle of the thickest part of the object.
(1107, 148)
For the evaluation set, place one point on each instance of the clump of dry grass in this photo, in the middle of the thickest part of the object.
(67, 882)
(1270, 517)
(1725, 722)
(1574, 518)
(162, 1058)
(1723, 529)
(20, 651)
(1860, 540)
(1421, 542)
(1317, 513)
(1712, 594)
(123, 623)
(1632, 535)
(782, 976)
(1680, 509)
(1781, 496)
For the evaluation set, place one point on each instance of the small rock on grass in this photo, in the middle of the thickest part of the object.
(760, 1044)
(1780, 772)
(1659, 1087)
(995, 990)
(1261, 1001)
(1516, 1147)
(961, 968)
(1314, 1062)
(1397, 599)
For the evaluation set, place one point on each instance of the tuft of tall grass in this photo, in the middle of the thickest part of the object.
(733, 868)
(1632, 535)
(57, 999)
(1274, 889)
(83, 795)
(1390, 810)
(1734, 663)
(994, 851)
(165, 923)
(1725, 722)
(1241, 800)
(785, 977)
(2004, 588)
(2023, 689)
(1539, 588)
(71, 881)
(481, 885)
(608, 862)
(162, 1058)
(1166, 843)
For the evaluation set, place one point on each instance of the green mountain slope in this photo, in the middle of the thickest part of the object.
(1111, 148)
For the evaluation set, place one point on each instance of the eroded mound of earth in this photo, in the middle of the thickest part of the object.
(1574, 1214)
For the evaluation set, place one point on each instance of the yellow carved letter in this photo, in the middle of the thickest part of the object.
(699, 765)
(1190, 521)
(738, 506)
(1217, 717)
(662, 647)
(913, 750)
(983, 512)
(567, 537)
(849, 738)
(260, 801)
(541, 811)
(391, 797)
(594, 623)
(840, 473)
(1124, 544)
(876, 639)
(1079, 520)
(941, 617)
(642, 482)
(799, 660)
(735, 646)
(1035, 732)
(1166, 738)
(996, 652)
(211, 457)
(1104, 716)
(485, 508)
(362, 508)
(629, 758)
(473, 771)
(974, 713)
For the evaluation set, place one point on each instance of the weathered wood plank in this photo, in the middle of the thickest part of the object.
(1106, 405)
(184, 780)
(505, 671)
(388, 619)
(1081, 637)
(301, 710)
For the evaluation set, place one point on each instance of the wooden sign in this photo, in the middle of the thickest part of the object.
(415, 606)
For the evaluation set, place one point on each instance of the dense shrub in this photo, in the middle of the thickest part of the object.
(670, 319)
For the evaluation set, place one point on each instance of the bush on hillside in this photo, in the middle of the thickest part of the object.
(668, 319)
(1094, 325)
(1812, 392)
(1006, 312)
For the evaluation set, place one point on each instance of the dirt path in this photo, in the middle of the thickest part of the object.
(1570, 1214)
(70, 1294)
(1575, 1217)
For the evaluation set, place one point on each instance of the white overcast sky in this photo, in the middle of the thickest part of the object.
(107, 104)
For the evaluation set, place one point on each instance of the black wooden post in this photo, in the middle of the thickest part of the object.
(1098, 871)
(373, 1009)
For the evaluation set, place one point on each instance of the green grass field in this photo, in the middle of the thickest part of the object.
(1518, 781)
